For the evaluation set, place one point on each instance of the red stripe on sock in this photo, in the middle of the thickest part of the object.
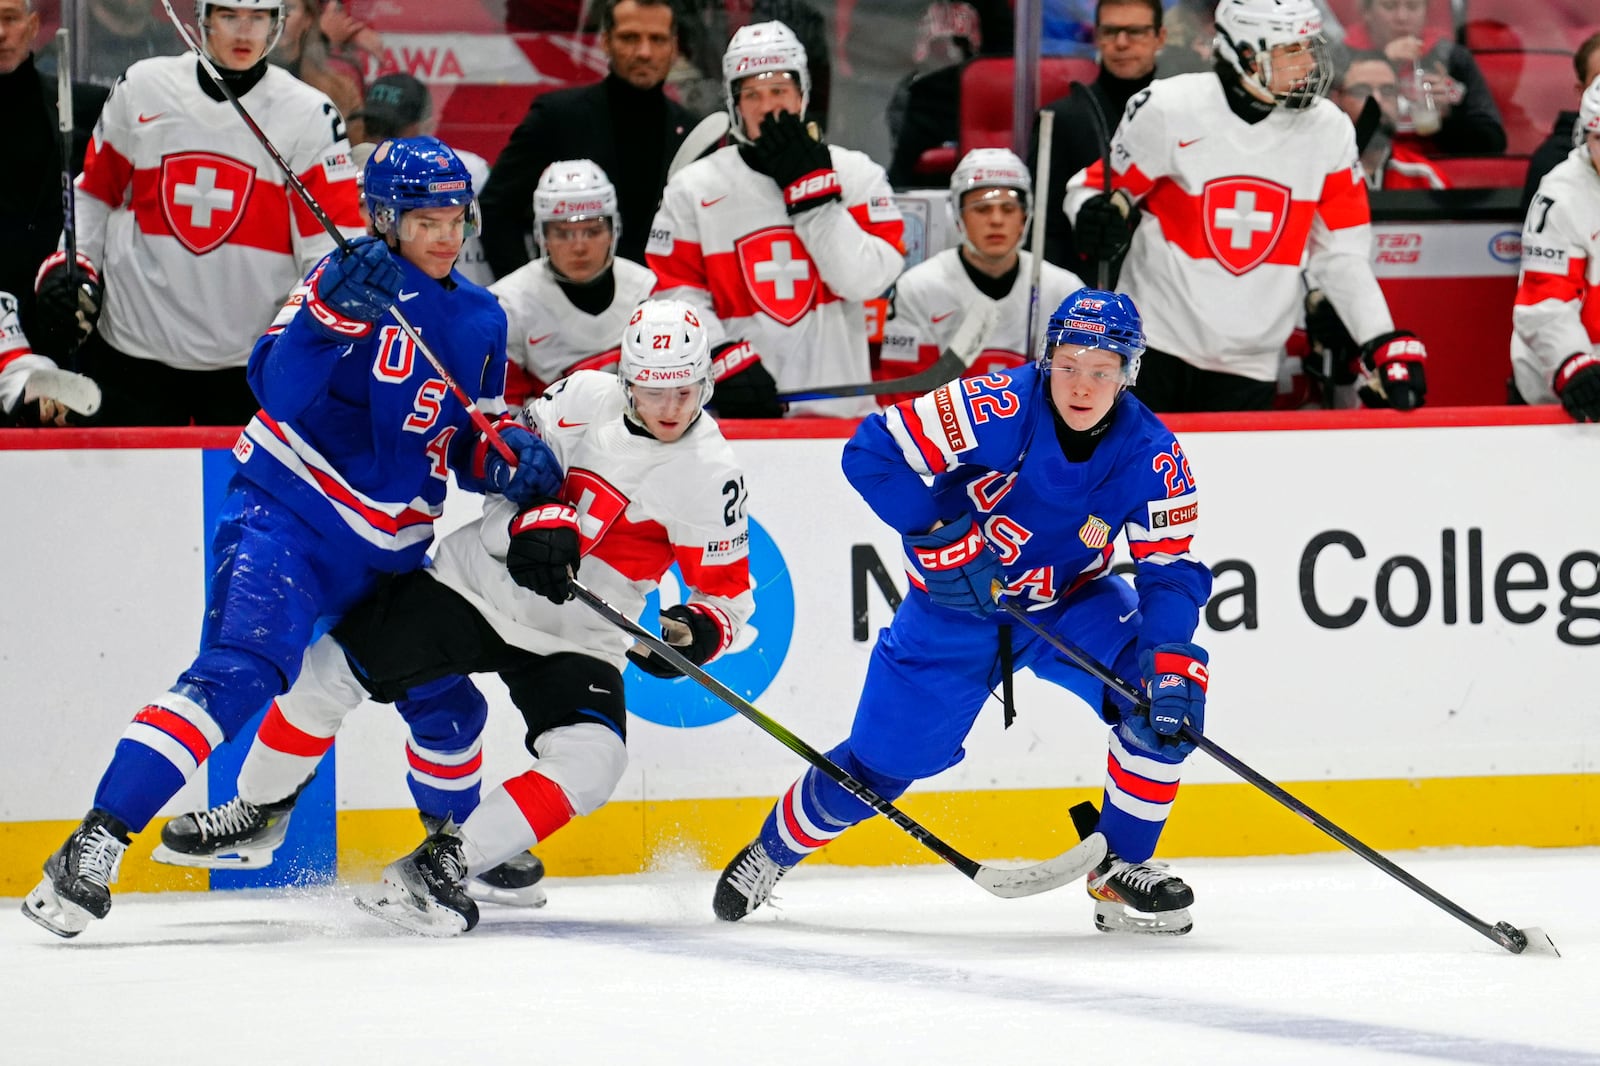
(1140, 787)
(793, 823)
(541, 802)
(444, 770)
(178, 728)
(277, 733)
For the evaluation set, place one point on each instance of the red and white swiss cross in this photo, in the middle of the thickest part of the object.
(778, 273)
(1244, 219)
(203, 197)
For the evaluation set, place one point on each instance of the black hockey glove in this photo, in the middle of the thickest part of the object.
(65, 317)
(1393, 364)
(800, 164)
(743, 387)
(1104, 227)
(1577, 384)
(545, 549)
(1333, 351)
(690, 631)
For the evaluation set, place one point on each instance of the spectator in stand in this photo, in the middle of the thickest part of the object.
(1557, 146)
(1386, 164)
(119, 33)
(398, 105)
(1191, 27)
(348, 37)
(304, 52)
(625, 124)
(1130, 33)
(778, 239)
(1432, 67)
(1555, 349)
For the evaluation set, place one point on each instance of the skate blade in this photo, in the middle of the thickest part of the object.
(528, 898)
(232, 860)
(49, 911)
(1116, 918)
(402, 910)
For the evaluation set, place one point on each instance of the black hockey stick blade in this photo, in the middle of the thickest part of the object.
(965, 345)
(1007, 884)
(1517, 941)
(1367, 123)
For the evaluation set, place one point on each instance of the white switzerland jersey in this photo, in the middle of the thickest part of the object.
(547, 334)
(931, 297)
(1557, 312)
(17, 359)
(642, 506)
(187, 217)
(792, 287)
(1232, 212)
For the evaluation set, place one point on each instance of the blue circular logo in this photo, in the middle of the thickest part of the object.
(1506, 246)
(748, 668)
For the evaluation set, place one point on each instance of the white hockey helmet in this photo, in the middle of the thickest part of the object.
(759, 49)
(990, 168)
(665, 346)
(572, 190)
(1588, 115)
(274, 7)
(1248, 31)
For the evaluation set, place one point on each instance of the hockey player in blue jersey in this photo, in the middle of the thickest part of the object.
(340, 477)
(1034, 472)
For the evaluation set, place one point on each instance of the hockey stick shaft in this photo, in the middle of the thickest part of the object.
(707, 132)
(1102, 131)
(1003, 883)
(291, 179)
(69, 201)
(1041, 193)
(1505, 934)
(952, 362)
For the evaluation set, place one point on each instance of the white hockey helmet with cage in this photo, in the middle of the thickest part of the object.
(990, 168)
(760, 49)
(1249, 30)
(574, 190)
(274, 7)
(665, 346)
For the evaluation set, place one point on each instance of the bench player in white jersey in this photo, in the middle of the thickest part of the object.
(779, 238)
(1245, 176)
(188, 240)
(991, 201)
(1555, 347)
(33, 390)
(565, 310)
(650, 481)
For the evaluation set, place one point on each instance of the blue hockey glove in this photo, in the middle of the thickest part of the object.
(1175, 677)
(352, 290)
(958, 567)
(536, 474)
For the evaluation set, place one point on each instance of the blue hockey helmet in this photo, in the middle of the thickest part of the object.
(1095, 318)
(405, 174)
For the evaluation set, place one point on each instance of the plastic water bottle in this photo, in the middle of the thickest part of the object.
(1425, 118)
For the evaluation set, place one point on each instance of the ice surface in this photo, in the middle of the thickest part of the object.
(1318, 959)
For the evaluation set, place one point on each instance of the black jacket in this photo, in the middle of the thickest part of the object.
(1555, 148)
(629, 133)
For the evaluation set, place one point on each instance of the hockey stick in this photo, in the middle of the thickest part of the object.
(293, 181)
(1102, 130)
(1041, 193)
(1508, 936)
(69, 201)
(964, 348)
(701, 139)
(1007, 884)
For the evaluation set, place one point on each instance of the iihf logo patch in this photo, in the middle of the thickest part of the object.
(1094, 533)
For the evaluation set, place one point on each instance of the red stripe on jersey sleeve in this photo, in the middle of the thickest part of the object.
(931, 455)
(1343, 203)
(106, 173)
(893, 231)
(727, 580)
(1536, 286)
(639, 551)
(1143, 549)
(338, 199)
(1133, 179)
(684, 267)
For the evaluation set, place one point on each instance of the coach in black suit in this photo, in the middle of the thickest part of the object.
(625, 124)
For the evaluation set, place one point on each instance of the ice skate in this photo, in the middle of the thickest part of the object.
(746, 883)
(237, 835)
(1137, 897)
(514, 883)
(77, 878)
(425, 891)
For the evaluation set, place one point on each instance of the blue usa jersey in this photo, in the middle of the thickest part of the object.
(989, 445)
(359, 435)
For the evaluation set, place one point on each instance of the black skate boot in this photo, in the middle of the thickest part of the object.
(237, 835)
(746, 883)
(77, 878)
(425, 892)
(514, 883)
(1137, 897)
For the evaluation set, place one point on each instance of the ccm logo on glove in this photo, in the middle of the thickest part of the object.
(951, 556)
